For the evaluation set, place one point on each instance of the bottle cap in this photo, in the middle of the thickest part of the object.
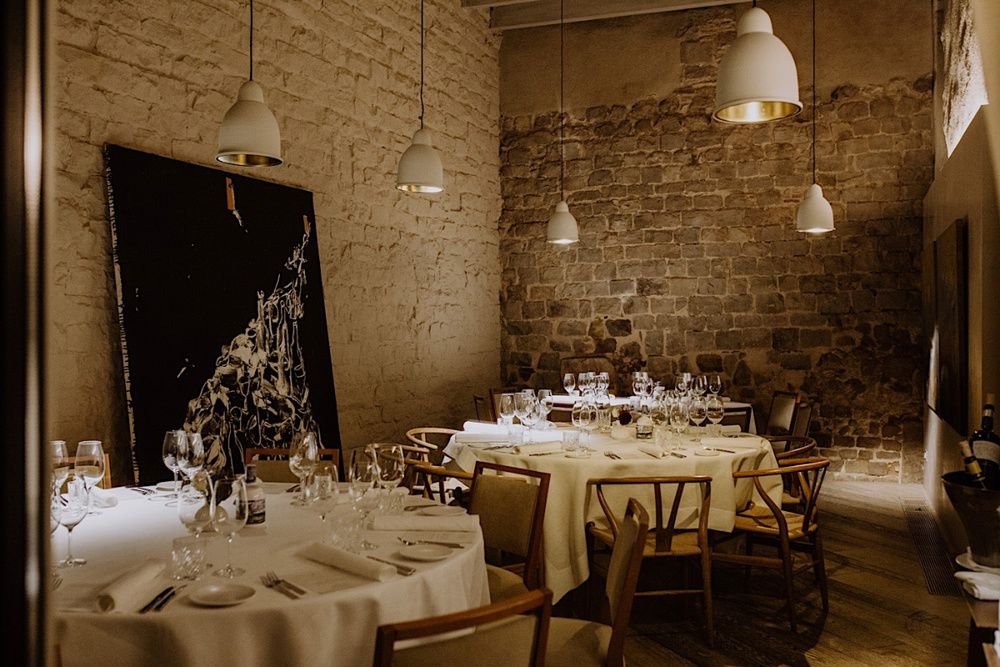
(251, 473)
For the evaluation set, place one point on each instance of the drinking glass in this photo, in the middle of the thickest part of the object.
(523, 405)
(571, 442)
(714, 384)
(683, 382)
(194, 504)
(697, 411)
(569, 383)
(55, 511)
(544, 406)
(75, 503)
(61, 463)
(229, 514)
(678, 418)
(171, 447)
(89, 465)
(700, 385)
(391, 465)
(637, 384)
(603, 382)
(302, 459)
(582, 416)
(190, 454)
(323, 493)
(714, 411)
(507, 411)
(363, 476)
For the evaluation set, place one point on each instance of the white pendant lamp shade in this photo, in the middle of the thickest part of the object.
(249, 136)
(420, 166)
(562, 228)
(757, 81)
(815, 215)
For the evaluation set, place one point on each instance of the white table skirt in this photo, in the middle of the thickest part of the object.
(569, 506)
(333, 625)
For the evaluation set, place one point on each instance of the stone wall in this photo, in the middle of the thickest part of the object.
(411, 281)
(688, 257)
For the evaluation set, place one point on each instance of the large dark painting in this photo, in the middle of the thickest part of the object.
(221, 309)
(948, 389)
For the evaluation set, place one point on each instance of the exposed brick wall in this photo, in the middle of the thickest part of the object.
(688, 257)
(411, 281)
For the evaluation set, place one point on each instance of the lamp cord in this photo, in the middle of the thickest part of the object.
(562, 77)
(814, 92)
(421, 64)
(251, 40)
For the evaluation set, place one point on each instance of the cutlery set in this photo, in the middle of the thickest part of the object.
(613, 455)
(162, 599)
(450, 545)
(283, 586)
(142, 490)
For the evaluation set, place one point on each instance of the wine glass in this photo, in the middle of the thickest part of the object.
(61, 464)
(302, 460)
(544, 406)
(523, 404)
(637, 384)
(323, 493)
(194, 507)
(678, 418)
(683, 382)
(697, 412)
(363, 475)
(603, 382)
(714, 384)
(391, 465)
(190, 454)
(581, 416)
(229, 514)
(569, 383)
(89, 464)
(700, 385)
(171, 448)
(715, 413)
(507, 411)
(75, 503)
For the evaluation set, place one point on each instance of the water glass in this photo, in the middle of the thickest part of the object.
(190, 456)
(61, 464)
(569, 383)
(302, 459)
(74, 505)
(715, 413)
(507, 410)
(187, 558)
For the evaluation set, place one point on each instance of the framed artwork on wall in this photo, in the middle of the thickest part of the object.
(221, 310)
(948, 380)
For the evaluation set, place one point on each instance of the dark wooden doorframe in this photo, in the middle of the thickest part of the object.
(24, 518)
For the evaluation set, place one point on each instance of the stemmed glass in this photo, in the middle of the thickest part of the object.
(678, 417)
(172, 444)
(323, 493)
(683, 382)
(714, 384)
(507, 411)
(229, 514)
(700, 385)
(544, 406)
(637, 384)
(194, 506)
(523, 406)
(190, 457)
(697, 412)
(75, 503)
(302, 460)
(581, 416)
(61, 463)
(391, 466)
(363, 476)
(89, 465)
(569, 383)
(715, 413)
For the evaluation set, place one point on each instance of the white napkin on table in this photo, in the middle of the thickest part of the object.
(652, 450)
(132, 590)
(463, 523)
(980, 585)
(102, 499)
(483, 427)
(539, 448)
(348, 562)
(731, 428)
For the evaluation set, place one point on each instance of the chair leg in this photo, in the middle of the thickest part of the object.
(747, 569)
(786, 563)
(819, 568)
(706, 592)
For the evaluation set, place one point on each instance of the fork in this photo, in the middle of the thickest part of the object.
(612, 455)
(287, 584)
(56, 581)
(451, 545)
(275, 583)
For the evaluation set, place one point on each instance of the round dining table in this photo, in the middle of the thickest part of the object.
(334, 623)
(571, 505)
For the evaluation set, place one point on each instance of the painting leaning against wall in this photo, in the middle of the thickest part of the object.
(221, 310)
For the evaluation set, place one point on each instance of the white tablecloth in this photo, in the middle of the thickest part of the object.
(333, 625)
(569, 507)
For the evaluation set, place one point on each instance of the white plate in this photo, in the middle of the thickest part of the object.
(221, 595)
(964, 559)
(168, 487)
(440, 510)
(705, 452)
(578, 455)
(425, 552)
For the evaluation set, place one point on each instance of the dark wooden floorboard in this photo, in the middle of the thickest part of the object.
(880, 611)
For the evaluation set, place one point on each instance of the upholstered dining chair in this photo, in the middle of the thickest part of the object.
(786, 530)
(484, 409)
(578, 643)
(510, 503)
(803, 418)
(664, 540)
(738, 417)
(781, 416)
(274, 468)
(512, 632)
(791, 447)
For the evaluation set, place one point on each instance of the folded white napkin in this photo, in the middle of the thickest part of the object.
(980, 585)
(348, 562)
(731, 428)
(463, 523)
(539, 448)
(483, 427)
(102, 499)
(652, 450)
(132, 590)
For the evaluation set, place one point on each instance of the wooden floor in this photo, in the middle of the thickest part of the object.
(880, 611)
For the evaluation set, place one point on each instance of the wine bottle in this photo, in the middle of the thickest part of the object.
(985, 446)
(255, 497)
(972, 467)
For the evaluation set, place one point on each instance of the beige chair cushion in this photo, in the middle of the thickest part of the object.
(506, 507)
(506, 642)
(275, 471)
(504, 584)
(577, 643)
(758, 519)
(684, 543)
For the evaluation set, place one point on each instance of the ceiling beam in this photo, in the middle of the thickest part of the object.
(523, 14)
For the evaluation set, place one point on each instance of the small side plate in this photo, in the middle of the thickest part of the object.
(705, 452)
(964, 559)
(168, 487)
(221, 595)
(440, 510)
(425, 552)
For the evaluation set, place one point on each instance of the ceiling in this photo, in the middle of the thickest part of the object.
(511, 14)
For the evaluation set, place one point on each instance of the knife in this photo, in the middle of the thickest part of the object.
(295, 588)
(157, 600)
(163, 603)
(680, 456)
(450, 545)
(720, 449)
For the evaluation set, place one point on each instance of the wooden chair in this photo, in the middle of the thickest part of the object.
(432, 482)
(512, 632)
(786, 530)
(790, 447)
(495, 395)
(431, 438)
(577, 643)
(739, 417)
(781, 416)
(665, 540)
(511, 513)
(274, 468)
(484, 409)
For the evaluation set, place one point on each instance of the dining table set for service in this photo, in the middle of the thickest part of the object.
(183, 576)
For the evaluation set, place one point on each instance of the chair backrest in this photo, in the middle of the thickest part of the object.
(495, 395)
(512, 632)
(623, 576)
(791, 446)
(665, 526)
(782, 414)
(272, 462)
(806, 474)
(510, 503)
(433, 439)
(738, 417)
(597, 363)
(803, 416)
(484, 409)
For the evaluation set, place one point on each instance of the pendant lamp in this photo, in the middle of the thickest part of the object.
(419, 168)
(249, 135)
(757, 81)
(562, 227)
(815, 215)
